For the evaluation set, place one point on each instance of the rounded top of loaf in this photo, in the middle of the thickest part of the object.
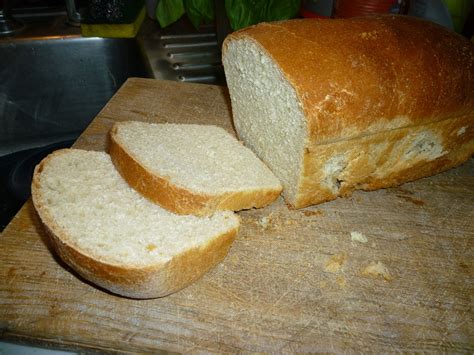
(361, 74)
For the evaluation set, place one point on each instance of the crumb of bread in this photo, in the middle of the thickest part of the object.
(273, 100)
(335, 263)
(202, 158)
(358, 237)
(264, 222)
(341, 281)
(267, 222)
(313, 213)
(108, 220)
(291, 222)
(377, 269)
(234, 259)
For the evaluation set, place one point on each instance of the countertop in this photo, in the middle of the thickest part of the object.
(383, 271)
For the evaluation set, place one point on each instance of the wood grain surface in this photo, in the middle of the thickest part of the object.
(294, 280)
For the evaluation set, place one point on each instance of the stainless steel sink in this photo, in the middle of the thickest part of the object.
(182, 53)
(53, 82)
(51, 87)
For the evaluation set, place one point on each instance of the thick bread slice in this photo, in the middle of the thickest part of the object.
(117, 239)
(191, 169)
(364, 103)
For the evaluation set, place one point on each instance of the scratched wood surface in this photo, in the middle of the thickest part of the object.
(293, 280)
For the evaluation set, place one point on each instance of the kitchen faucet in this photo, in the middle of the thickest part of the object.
(74, 17)
(8, 25)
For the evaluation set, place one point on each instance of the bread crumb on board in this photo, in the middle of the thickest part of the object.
(292, 222)
(335, 263)
(309, 213)
(274, 221)
(265, 221)
(358, 237)
(234, 259)
(377, 269)
(341, 281)
(415, 201)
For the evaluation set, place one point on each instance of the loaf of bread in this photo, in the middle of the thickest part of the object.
(191, 169)
(115, 238)
(332, 106)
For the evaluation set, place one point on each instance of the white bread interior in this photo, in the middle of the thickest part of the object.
(266, 110)
(191, 169)
(117, 239)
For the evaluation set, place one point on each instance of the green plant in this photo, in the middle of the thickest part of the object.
(241, 13)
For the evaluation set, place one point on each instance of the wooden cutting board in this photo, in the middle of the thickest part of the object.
(294, 280)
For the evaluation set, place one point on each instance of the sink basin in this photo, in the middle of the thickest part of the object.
(51, 87)
(53, 82)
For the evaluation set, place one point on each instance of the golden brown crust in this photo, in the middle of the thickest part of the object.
(380, 160)
(152, 281)
(371, 73)
(178, 199)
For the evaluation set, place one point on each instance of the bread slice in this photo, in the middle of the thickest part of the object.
(117, 239)
(191, 169)
(347, 104)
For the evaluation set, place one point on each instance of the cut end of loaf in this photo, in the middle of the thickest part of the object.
(267, 113)
(191, 169)
(116, 238)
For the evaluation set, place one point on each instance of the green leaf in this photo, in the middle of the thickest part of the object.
(243, 13)
(281, 10)
(200, 11)
(169, 11)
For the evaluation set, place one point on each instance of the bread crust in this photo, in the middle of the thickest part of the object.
(371, 89)
(150, 281)
(380, 160)
(369, 74)
(177, 199)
